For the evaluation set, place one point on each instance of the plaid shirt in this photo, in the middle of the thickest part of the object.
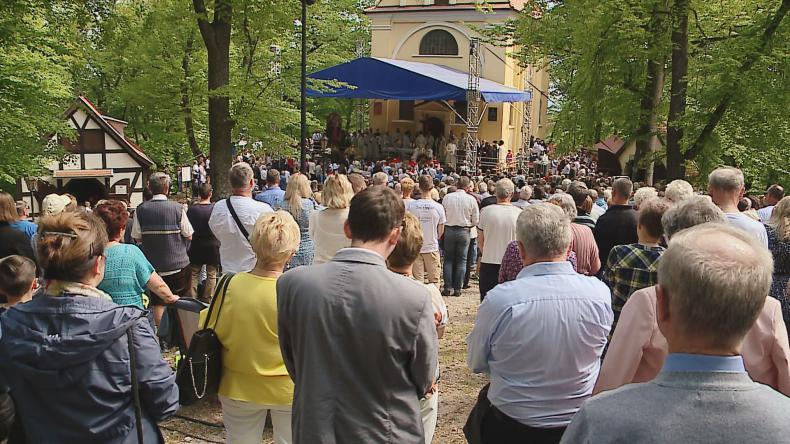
(630, 268)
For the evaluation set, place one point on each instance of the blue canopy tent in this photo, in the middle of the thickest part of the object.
(379, 78)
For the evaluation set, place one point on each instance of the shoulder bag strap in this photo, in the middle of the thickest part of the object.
(232, 210)
(219, 293)
(138, 409)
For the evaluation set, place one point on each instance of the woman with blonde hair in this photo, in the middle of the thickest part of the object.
(299, 203)
(326, 225)
(255, 382)
(778, 228)
(77, 362)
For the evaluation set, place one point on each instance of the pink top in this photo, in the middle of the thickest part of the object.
(637, 350)
(587, 260)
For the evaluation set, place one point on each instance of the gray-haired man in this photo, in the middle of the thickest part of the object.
(705, 307)
(539, 337)
(162, 228)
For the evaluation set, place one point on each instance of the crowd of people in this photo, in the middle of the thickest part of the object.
(606, 306)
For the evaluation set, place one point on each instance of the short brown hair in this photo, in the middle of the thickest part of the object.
(374, 213)
(69, 244)
(650, 213)
(409, 245)
(425, 183)
(16, 275)
(205, 190)
(114, 215)
(7, 208)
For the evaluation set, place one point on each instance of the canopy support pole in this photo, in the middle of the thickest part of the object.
(451, 108)
(473, 97)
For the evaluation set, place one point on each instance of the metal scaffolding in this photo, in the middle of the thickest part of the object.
(526, 122)
(473, 101)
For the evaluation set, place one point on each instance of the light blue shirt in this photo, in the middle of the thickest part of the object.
(749, 225)
(272, 195)
(540, 338)
(685, 362)
(765, 213)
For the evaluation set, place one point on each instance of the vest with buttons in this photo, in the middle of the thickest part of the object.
(162, 243)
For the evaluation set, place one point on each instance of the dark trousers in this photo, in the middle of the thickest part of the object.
(456, 246)
(489, 277)
(180, 284)
(489, 425)
(471, 260)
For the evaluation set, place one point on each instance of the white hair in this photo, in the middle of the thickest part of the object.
(693, 211)
(678, 190)
(380, 178)
(504, 188)
(545, 231)
(566, 203)
(525, 193)
(727, 178)
(716, 278)
(644, 193)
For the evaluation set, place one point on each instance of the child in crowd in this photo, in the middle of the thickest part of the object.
(17, 284)
(17, 280)
(635, 266)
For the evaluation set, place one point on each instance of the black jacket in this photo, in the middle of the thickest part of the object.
(615, 227)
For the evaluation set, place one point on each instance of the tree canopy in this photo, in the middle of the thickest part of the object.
(599, 54)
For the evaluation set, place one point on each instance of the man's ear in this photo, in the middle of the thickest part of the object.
(347, 229)
(522, 252)
(663, 315)
(395, 235)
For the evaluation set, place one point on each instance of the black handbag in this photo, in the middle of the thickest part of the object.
(200, 369)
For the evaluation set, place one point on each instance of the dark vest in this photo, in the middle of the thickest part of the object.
(162, 243)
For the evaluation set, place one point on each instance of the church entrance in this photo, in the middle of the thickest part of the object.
(434, 126)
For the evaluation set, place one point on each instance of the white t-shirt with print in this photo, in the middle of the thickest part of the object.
(431, 214)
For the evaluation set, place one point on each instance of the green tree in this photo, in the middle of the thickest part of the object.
(35, 85)
(728, 86)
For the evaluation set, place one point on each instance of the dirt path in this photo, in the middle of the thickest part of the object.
(457, 391)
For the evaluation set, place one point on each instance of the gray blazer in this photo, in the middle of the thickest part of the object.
(360, 345)
(684, 407)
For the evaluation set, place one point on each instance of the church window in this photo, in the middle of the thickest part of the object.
(438, 42)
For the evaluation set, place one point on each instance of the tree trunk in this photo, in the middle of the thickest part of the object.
(186, 107)
(678, 89)
(216, 36)
(718, 113)
(647, 131)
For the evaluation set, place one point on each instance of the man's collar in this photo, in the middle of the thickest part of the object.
(546, 268)
(362, 255)
(159, 197)
(685, 362)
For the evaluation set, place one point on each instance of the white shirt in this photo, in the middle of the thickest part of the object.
(431, 214)
(461, 210)
(498, 224)
(326, 231)
(751, 226)
(235, 251)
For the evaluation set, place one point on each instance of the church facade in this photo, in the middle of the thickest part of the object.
(439, 32)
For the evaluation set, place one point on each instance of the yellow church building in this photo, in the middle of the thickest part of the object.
(439, 32)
